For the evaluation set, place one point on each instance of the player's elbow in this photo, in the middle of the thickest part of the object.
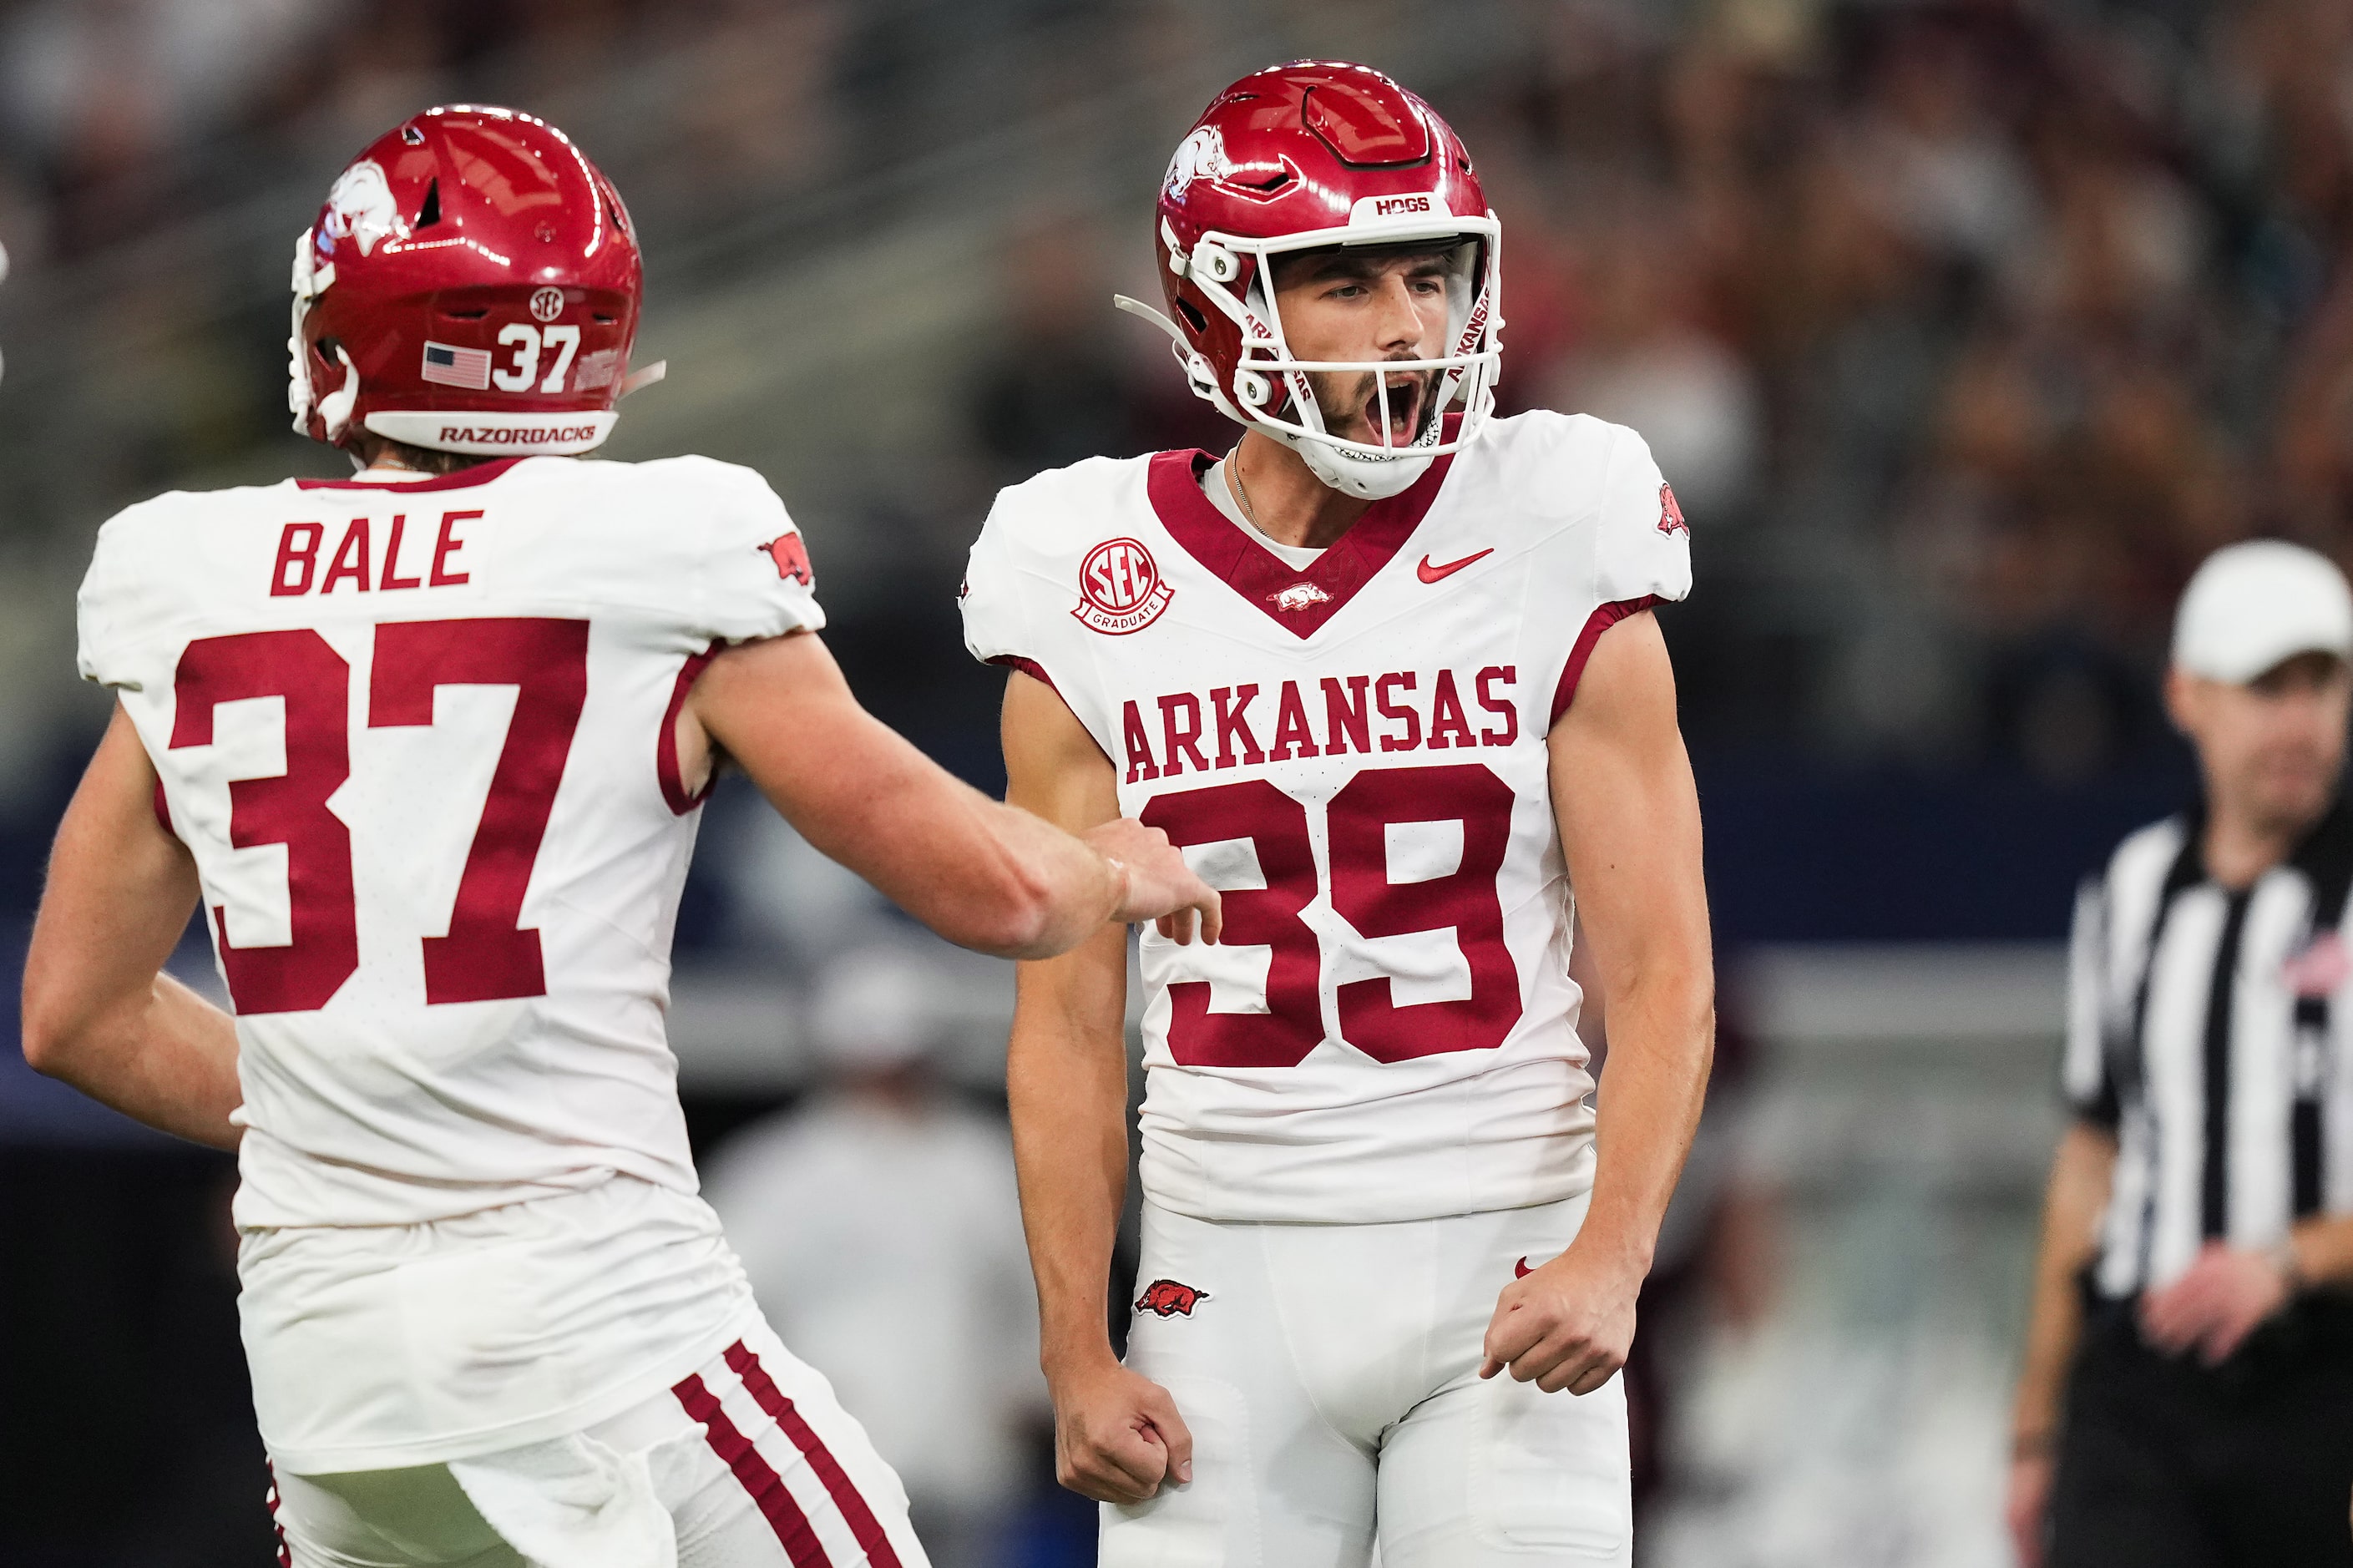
(42, 1047)
(50, 1032)
(64, 1023)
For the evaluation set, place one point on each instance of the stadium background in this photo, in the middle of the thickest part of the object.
(1962, 329)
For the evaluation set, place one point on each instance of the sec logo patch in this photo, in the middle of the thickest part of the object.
(1120, 590)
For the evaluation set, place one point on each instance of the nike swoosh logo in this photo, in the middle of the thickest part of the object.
(1439, 573)
(1520, 1270)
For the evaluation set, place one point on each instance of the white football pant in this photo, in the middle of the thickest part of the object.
(748, 1463)
(1329, 1375)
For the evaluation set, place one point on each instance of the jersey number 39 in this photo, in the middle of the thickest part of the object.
(486, 956)
(1357, 820)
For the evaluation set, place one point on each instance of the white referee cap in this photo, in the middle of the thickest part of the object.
(2250, 607)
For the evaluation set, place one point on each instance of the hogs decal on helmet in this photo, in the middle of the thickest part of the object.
(1308, 157)
(470, 285)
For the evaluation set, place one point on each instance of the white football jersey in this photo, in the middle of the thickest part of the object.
(418, 737)
(1354, 754)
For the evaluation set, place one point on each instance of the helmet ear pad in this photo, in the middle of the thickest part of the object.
(327, 378)
(1218, 339)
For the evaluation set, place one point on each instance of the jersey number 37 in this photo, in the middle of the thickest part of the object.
(486, 956)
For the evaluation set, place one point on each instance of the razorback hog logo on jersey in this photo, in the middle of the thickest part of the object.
(1120, 590)
(1671, 515)
(791, 556)
(1298, 596)
(1167, 1298)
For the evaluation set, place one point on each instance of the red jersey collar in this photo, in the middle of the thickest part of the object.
(1228, 551)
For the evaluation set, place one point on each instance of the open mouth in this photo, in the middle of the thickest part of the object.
(1408, 394)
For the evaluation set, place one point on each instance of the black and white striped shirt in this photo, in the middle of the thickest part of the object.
(2208, 1030)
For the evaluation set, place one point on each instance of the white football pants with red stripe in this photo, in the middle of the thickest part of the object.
(749, 1462)
(1329, 1375)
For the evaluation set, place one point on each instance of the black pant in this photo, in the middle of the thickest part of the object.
(2166, 1463)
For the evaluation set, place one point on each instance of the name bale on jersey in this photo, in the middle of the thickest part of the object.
(356, 561)
(1394, 712)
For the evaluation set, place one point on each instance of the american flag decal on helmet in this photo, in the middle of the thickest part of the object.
(447, 366)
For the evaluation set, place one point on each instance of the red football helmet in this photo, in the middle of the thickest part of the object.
(471, 285)
(1302, 156)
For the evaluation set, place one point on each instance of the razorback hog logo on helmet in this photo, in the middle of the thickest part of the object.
(792, 559)
(360, 208)
(1167, 1298)
(1201, 156)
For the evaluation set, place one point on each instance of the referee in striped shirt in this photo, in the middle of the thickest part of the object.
(2186, 1400)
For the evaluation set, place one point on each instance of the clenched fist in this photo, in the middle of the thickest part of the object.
(1568, 1324)
(1117, 1435)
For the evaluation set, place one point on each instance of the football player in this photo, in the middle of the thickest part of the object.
(428, 743)
(1387, 669)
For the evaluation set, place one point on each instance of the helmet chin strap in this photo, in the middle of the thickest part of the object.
(1367, 479)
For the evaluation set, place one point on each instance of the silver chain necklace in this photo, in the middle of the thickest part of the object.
(1242, 491)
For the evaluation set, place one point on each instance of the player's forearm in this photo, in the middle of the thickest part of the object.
(1067, 1087)
(1074, 1179)
(1663, 1042)
(2079, 1173)
(985, 876)
(167, 1058)
(1065, 891)
(96, 1009)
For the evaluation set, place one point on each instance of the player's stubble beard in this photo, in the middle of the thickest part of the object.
(1349, 402)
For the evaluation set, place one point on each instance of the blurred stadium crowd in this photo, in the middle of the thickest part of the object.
(1963, 329)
